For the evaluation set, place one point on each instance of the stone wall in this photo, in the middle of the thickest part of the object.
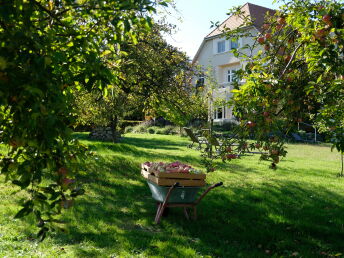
(102, 134)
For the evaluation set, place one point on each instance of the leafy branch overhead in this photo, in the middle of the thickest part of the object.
(49, 49)
(296, 76)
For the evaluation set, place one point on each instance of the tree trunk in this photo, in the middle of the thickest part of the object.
(114, 121)
(342, 159)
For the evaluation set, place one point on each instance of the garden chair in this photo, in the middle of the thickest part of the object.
(195, 139)
(298, 138)
(214, 141)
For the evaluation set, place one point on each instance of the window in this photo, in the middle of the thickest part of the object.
(231, 76)
(200, 80)
(220, 113)
(234, 44)
(221, 46)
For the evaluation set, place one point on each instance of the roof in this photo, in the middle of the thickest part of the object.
(255, 12)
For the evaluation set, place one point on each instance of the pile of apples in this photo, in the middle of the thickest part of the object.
(174, 167)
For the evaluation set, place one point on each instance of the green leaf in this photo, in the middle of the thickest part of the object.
(23, 212)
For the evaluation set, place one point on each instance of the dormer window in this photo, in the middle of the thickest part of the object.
(221, 46)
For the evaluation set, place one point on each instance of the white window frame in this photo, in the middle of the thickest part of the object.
(220, 110)
(221, 43)
(231, 76)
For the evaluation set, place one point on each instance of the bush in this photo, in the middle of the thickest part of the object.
(128, 129)
(148, 128)
(151, 130)
(169, 130)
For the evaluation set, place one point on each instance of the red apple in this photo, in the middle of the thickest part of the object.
(287, 58)
(268, 36)
(319, 34)
(327, 19)
(266, 47)
(279, 26)
(62, 171)
(281, 20)
(266, 114)
(266, 26)
(274, 152)
(261, 40)
(251, 124)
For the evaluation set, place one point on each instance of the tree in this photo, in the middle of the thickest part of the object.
(297, 76)
(48, 48)
(153, 76)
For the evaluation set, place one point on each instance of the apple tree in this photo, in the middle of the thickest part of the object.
(296, 76)
(49, 48)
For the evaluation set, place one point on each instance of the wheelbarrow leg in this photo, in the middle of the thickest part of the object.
(158, 211)
(162, 206)
(186, 213)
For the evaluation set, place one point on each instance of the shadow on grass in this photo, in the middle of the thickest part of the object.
(146, 143)
(276, 218)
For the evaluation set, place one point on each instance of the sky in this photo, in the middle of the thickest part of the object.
(193, 20)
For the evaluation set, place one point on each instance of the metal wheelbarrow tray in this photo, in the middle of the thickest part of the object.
(177, 196)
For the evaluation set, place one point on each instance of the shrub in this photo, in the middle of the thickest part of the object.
(151, 130)
(128, 129)
(170, 130)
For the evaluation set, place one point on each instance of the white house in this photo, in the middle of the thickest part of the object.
(215, 53)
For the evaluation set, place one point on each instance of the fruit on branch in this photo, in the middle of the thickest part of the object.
(266, 26)
(261, 40)
(267, 47)
(327, 19)
(268, 36)
(62, 171)
(274, 152)
(279, 26)
(231, 156)
(281, 20)
(266, 114)
(287, 58)
(251, 124)
(320, 34)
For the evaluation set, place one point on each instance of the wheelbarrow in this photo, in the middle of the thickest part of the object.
(177, 196)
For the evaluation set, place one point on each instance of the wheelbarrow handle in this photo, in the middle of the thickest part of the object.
(218, 184)
(175, 185)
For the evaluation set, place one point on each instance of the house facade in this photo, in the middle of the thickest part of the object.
(215, 56)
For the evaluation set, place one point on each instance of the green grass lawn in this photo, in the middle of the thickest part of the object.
(296, 210)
